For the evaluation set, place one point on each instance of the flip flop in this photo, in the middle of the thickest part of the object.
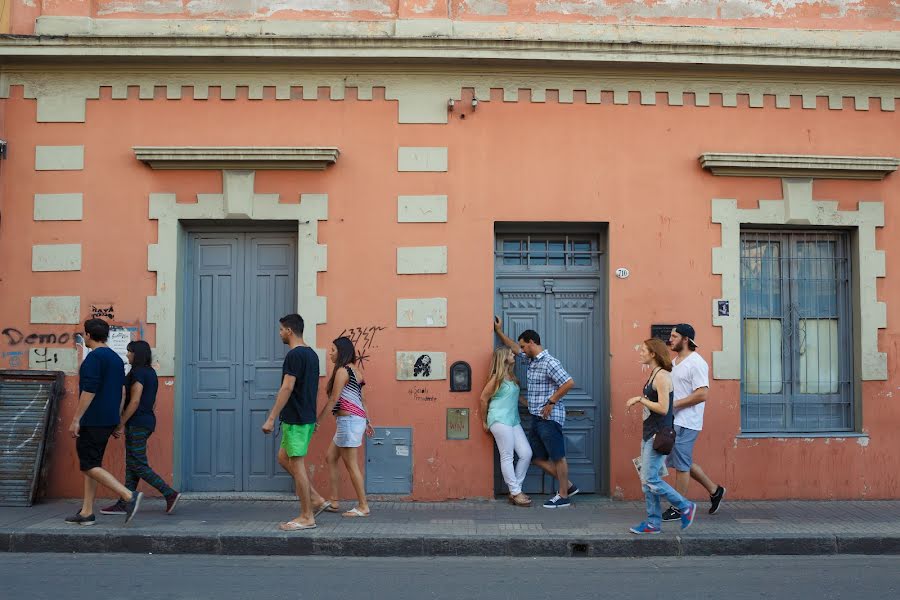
(354, 513)
(332, 508)
(324, 506)
(295, 526)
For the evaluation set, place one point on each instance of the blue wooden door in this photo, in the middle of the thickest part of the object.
(552, 283)
(271, 268)
(237, 286)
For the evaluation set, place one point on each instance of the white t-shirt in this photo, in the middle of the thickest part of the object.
(690, 374)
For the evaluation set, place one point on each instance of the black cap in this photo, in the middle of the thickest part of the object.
(685, 330)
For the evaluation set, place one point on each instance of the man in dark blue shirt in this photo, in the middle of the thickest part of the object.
(101, 385)
(295, 406)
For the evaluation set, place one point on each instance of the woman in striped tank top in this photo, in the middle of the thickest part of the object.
(345, 399)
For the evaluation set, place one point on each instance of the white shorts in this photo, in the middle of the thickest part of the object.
(350, 431)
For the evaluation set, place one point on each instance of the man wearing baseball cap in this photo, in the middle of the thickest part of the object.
(690, 382)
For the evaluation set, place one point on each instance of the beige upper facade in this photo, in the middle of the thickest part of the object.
(495, 18)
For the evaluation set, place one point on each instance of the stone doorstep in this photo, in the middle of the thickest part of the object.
(309, 544)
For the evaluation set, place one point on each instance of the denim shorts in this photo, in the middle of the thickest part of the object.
(350, 431)
(546, 439)
(682, 455)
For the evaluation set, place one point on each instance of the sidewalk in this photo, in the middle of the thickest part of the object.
(593, 527)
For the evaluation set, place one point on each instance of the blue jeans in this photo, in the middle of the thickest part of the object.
(654, 487)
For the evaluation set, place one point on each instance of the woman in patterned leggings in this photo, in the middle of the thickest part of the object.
(139, 422)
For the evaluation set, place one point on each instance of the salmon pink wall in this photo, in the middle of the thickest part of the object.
(634, 167)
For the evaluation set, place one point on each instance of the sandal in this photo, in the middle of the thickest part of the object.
(317, 510)
(295, 526)
(332, 508)
(355, 512)
(520, 500)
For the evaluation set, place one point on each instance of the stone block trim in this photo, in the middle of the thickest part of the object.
(421, 365)
(421, 159)
(234, 205)
(433, 35)
(422, 312)
(56, 257)
(305, 158)
(418, 260)
(799, 165)
(53, 359)
(63, 108)
(58, 207)
(56, 310)
(59, 158)
(422, 97)
(422, 209)
(798, 208)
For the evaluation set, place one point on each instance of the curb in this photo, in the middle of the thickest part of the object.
(359, 546)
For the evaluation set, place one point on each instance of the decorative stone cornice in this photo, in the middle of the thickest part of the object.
(236, 157)
(799, 165)
(82, 38)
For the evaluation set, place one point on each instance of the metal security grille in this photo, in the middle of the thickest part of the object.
(541, 252)
(797, 367)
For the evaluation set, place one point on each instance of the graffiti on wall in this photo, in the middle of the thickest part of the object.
(422, 368)
(13, 360)
(363, 339)
(14, 337)
(104, 311)
(420, 393)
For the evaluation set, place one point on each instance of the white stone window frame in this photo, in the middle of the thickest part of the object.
(797, 207)
(237, 203)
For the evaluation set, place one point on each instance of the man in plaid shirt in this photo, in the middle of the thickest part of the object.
(548, 383)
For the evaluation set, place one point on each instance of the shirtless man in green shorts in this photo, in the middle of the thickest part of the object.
(295, 406)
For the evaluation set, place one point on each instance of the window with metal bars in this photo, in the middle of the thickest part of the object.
(536, 252)
(796, 355)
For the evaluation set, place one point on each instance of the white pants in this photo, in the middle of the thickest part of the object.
(512, 440)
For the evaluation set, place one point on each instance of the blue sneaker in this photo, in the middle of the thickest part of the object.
(557, 501)
(687, 516)
(645, 528)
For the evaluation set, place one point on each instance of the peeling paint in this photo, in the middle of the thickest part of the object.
(728, 9)
(863, 441)
(425, 8)
(243, 7)
(487, 8)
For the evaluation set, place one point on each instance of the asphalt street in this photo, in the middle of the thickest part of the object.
(95, 576)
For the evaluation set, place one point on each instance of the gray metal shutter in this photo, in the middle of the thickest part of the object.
(29, 402)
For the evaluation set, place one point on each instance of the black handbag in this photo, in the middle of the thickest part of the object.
(664, 438)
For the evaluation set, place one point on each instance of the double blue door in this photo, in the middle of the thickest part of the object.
(553, 283)
(237, 284)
